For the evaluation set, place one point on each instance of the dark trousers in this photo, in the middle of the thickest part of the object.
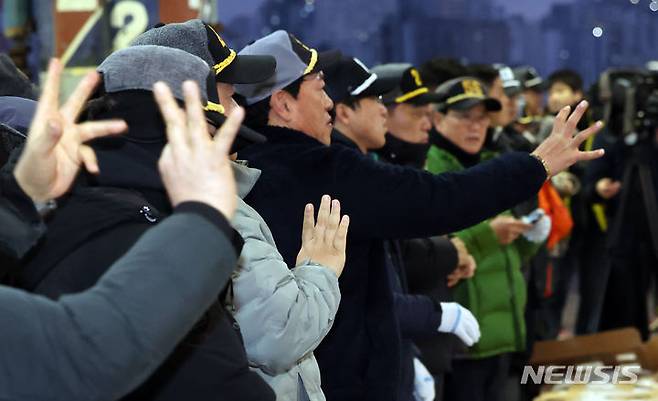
(593, 273)
(586, 256)
(477, 379)
(628, 290)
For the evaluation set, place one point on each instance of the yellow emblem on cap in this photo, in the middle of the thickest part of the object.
(472, 87)
(416, 75)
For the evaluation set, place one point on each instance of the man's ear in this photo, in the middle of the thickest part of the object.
(281, 103)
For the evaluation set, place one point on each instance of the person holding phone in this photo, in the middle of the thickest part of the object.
(496, 294)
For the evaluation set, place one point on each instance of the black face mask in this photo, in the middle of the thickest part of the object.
(405, 153)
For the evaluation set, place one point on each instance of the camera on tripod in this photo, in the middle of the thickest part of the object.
(629, 98)
(630, 103)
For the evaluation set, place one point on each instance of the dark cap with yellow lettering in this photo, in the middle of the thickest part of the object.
(410, 88)
(463, 93)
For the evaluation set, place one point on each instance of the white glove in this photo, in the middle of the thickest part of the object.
(460, 321)
(540, 228)
(423, 383)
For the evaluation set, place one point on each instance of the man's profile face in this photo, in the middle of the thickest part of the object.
(534, 101)
(310, 110)
(368, 120)
(467, 129)
(410, 123)
(507, 113)
(561, 95)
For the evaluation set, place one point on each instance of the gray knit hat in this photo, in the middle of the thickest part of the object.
(135, 68)
(140, 67)
(198, 38)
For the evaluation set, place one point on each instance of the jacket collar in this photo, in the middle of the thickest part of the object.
(286, 135)
(464, 158)
(339, 138)
(245, 177)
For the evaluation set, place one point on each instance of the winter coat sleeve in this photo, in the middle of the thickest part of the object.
(419, 317)
(428, 261)
(420, 204)
(283, 314)
(103, 342)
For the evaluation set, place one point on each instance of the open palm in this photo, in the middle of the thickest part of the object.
(55, 147)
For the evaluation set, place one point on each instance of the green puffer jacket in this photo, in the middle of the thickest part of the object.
(496, 295)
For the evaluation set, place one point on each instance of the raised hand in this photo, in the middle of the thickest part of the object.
(324, 243)
(55, 146)
(561, 149)
(194, 166)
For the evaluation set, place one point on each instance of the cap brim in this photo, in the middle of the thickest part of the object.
(380, 87)
(513, 91)
(490, 104)
(423, 99)
(540, 87)
(246, 136)
(248, 69)
(326, 60)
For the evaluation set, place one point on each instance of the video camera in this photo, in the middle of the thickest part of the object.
(630, 102)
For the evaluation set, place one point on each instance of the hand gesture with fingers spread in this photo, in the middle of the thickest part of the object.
(324, 243)
(561, 149)
(194, 166)
(55, 146)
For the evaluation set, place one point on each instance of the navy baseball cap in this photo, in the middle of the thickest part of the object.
(351, 78)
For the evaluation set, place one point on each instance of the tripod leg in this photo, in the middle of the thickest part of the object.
(649, 198)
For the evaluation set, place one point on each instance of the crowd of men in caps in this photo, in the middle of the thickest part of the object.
(279, 223)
